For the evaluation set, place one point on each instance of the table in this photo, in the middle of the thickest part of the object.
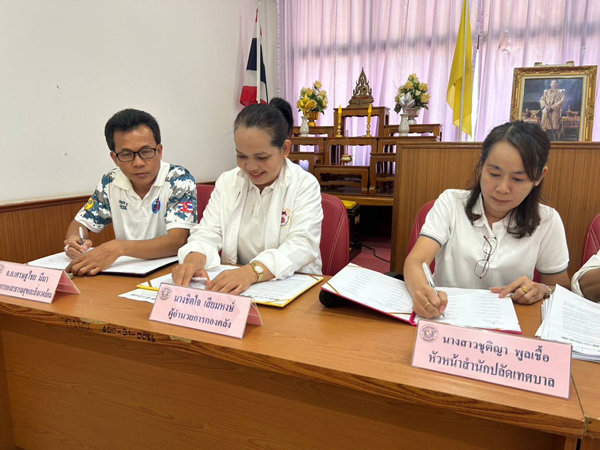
(92, 370)
(586, 376)
(381, 112)
(435, 129)
(357, 176)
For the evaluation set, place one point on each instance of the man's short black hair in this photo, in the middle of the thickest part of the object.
(128, 120)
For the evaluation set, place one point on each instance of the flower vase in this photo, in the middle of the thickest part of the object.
(313, 116)
(412, 114)
(403, 128)
(304, 127)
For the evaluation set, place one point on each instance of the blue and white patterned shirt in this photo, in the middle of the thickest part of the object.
(170, 203)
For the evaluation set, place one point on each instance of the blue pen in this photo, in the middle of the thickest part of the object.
(429, 277)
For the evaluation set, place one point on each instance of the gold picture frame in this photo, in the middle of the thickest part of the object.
(560, 99)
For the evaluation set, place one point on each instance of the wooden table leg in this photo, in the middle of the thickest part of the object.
(587, 443)
(373, 177)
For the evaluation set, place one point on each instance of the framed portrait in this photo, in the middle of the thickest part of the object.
(558, 98)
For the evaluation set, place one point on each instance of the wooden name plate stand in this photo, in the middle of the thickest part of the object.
(91, 371)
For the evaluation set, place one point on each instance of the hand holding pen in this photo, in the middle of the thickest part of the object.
(429, 302)
(76, 245)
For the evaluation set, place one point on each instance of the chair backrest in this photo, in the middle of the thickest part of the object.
(203, 191)
(335, 235)
(416, 229)
(592, 243)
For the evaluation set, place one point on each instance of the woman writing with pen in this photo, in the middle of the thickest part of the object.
(497, 233)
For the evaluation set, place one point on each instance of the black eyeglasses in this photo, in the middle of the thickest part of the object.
(482, 266)
(127, 156)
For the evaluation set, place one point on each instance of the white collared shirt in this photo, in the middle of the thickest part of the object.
(170, 203)
(462, 245)
(251, 240)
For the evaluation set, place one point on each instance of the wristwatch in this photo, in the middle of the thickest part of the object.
(258, 270)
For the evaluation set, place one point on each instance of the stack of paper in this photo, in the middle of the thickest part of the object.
(571, 319)
(273, 292)
(474, 308)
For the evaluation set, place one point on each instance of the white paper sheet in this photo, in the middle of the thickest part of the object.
(123, 265)
(272, 292)
(141, 295)
(372, 289)
(571, 319)
(466, 307)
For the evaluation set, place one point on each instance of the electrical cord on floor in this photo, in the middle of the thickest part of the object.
(374, 253)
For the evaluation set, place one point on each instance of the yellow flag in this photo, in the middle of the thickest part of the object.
(461, 75)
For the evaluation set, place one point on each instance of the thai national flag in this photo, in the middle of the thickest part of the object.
(185, 207)
(249, 90)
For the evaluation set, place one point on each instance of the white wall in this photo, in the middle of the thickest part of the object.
(68, 65)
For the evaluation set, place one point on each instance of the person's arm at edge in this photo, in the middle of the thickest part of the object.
(589, 283)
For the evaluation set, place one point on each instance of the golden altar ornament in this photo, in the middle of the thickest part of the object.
(346, 159)
(362, 95)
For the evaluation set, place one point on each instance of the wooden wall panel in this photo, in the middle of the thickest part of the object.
(425, 171)
(7, 440)
(36, 229)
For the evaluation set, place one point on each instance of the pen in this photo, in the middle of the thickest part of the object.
(148, 288)
(429, 277)
(81, 236)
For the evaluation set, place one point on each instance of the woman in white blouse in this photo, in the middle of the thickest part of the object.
(265, 215)
(497, 233)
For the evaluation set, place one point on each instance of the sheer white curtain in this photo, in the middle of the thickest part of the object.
(330, 40)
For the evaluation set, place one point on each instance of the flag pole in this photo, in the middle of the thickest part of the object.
(258, 48)
(464, 75)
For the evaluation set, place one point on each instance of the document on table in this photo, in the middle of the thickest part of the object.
(479, 308)
(125, 265)
(372, 289)
(474, 308)
(273, 292)
(571, 319)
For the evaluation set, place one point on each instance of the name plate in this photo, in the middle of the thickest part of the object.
(204, 310)
(33, 283)
(515, 361)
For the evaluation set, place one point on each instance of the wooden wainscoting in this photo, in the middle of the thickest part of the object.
(32, 230)
(424, 171)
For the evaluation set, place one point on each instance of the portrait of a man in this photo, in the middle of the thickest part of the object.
(556, 105)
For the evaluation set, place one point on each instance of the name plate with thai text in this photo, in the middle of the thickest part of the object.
(33, 283)
(214, 312)
(515, 361)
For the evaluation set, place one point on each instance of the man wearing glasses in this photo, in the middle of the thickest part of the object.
(151, 203)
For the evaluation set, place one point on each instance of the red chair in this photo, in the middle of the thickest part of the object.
(592, 243)
(203, 191)
(416, 229)
(335, 235)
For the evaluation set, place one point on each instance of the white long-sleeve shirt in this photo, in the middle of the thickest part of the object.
(290, 223)
(592, 263)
